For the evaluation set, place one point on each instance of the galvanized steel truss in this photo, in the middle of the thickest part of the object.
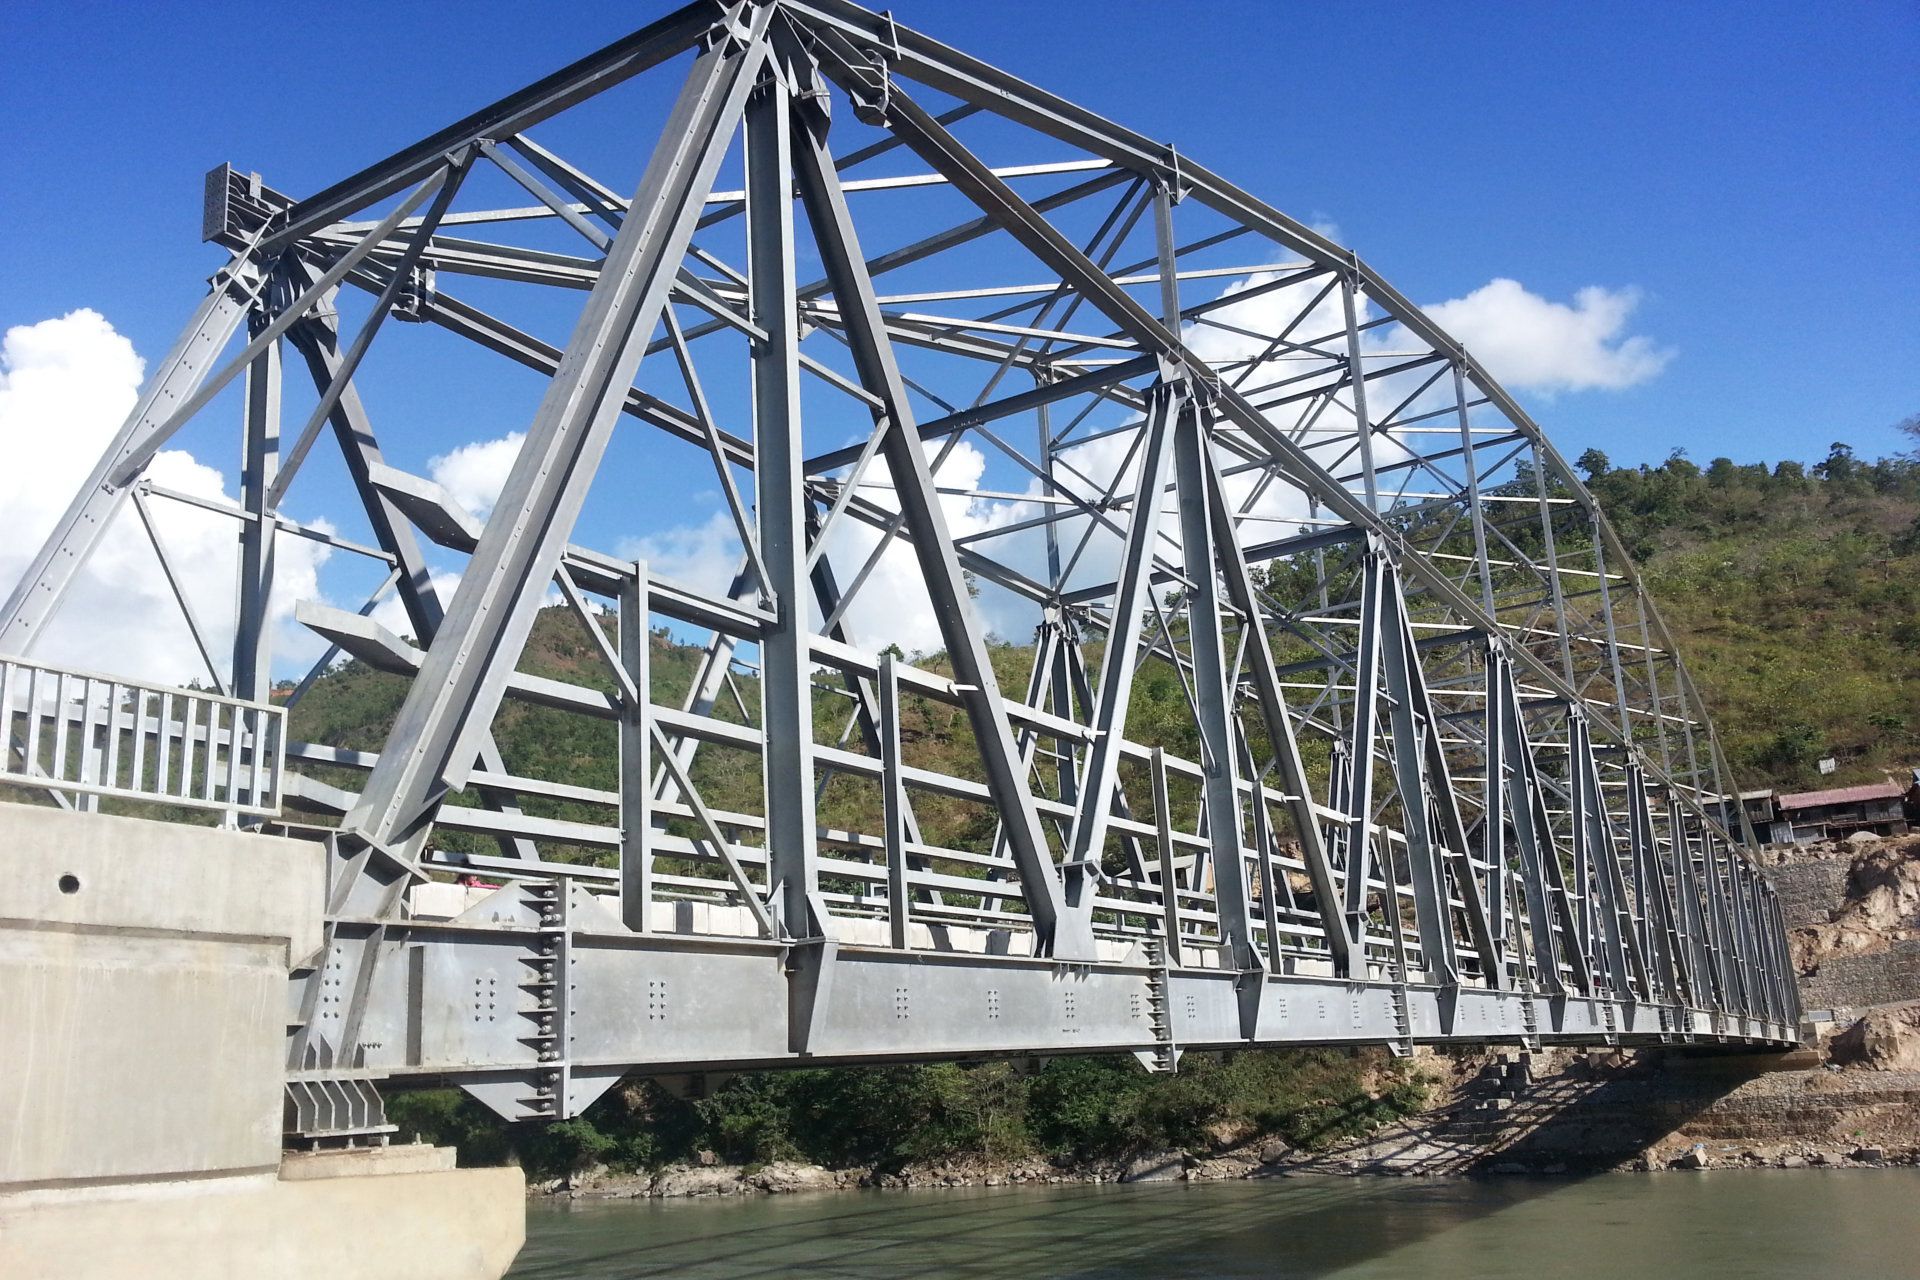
(1450, 778)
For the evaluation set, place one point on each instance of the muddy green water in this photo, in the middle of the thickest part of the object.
(1803, 1224)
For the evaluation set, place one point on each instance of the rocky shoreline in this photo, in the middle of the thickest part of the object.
(1271, 1158)
(781, 1177)
(1497, 1114)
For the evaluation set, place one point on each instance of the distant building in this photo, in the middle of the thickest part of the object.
(1762, 810)
(1841, 811)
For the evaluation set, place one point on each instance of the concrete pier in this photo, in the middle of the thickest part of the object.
(143, 1018)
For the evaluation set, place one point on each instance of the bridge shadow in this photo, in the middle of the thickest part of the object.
(1586, 1118)
(1290, 1228)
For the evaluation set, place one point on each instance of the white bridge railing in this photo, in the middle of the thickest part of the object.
(89, 734)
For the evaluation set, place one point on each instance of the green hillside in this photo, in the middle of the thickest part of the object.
(1793, 593)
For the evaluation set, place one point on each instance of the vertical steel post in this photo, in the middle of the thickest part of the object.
(1493, 820)
(1552, 556)
(1355, 798)
(636, 755)
(1476, 509)
(1357, 385)
(893, 804)
(259, 460)
(1088, 838)
(1169, 877)
(1213, 694)
(786, 660)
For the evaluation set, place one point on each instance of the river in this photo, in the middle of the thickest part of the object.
(1803, 1224)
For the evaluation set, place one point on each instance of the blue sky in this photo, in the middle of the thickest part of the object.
(1750, 169)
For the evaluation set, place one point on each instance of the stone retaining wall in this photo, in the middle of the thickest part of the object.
(1860, 981)
(1809, 892)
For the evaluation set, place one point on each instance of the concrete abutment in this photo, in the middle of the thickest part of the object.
(143, 1020)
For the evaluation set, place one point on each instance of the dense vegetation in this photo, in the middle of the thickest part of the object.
(887, 1117)
(1793, 593)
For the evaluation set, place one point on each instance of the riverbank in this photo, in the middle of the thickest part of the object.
(1498, 1114)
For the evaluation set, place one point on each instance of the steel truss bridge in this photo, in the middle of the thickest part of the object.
(1436, 773)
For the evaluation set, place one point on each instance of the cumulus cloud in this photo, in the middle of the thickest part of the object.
(892, 605)
(704, 555)
(475, 473)
(1533, 343)
(65, 387)
(392, 614)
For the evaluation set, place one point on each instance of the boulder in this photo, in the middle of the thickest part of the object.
(1236, 1165)
(716, 1180)
(784, 1176)
(1158, 1166)
(1885, 1039)
(1869, 1155)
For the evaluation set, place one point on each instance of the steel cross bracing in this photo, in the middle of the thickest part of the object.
(1416, 761)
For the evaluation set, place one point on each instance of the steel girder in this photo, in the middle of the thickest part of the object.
(1416, 746)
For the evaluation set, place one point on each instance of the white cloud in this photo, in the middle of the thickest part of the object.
(1532, 343)
(704, 555)
(892, 605)
(392, 614)
(475, 473)
(65, 387)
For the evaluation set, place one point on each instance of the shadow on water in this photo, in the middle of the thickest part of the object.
(1287, 1228)
(1581, 1120)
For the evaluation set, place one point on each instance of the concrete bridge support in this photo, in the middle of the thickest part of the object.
(143, 1012)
